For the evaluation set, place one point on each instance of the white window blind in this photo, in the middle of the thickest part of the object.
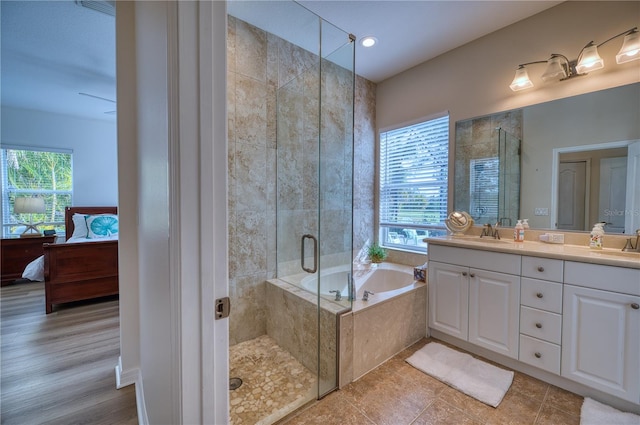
(483, 184)
(413, 182)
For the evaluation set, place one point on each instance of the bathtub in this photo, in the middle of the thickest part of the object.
(367, 332)
(385, 281)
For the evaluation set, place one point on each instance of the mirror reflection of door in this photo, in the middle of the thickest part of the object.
(572, 195)
(632, 209)
(613, 189)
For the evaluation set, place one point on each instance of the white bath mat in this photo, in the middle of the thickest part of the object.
(595, 413)
(463, 372)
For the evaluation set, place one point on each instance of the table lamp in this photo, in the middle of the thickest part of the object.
(27, 205)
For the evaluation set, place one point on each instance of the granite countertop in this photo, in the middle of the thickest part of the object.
(605, 256)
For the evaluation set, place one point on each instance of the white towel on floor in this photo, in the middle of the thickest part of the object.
(473, 377)
(595, 413)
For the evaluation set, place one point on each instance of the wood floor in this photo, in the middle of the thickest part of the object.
(59, 368)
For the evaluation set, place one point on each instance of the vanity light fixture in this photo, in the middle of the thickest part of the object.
(559, 67)
(368, 41)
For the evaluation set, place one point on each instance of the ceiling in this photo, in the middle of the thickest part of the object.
(54, 50)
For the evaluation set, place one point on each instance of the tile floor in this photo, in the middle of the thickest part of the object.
(397, 394)
(274, 382)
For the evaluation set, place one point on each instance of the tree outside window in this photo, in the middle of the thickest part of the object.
(36, 173)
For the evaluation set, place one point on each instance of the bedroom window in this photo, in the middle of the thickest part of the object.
(45, 173)
(413, 183)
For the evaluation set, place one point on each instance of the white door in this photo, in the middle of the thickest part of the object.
(572, 190)
(632, 209)
(611, 197)
(448, 299)
(494, 306)
(601, 341)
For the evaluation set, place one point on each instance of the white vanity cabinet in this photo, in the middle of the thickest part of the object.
(474, 296)
(601, 328)
(541, 313)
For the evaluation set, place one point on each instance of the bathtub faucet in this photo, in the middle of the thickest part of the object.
(365, 296)
(338, 294)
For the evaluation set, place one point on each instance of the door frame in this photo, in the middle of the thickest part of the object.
(555, 165)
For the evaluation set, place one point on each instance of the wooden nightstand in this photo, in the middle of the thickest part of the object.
(16, 253)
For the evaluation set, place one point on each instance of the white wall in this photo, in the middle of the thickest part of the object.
(93, 142)
(474, 79)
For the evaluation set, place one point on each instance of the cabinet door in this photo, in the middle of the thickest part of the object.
(494, 311)
(448, 299)
(601, 341)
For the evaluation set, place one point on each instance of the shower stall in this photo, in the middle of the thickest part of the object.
(291, 105)
(487, 168)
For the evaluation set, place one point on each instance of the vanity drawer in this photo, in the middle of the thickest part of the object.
(541, 294)
(541, 324)
(541, 354)
(542, 268)
(475, 258)
(608, 278)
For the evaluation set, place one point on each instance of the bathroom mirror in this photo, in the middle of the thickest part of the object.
(596, 128)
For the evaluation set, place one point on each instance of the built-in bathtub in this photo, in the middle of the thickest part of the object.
(393, 318)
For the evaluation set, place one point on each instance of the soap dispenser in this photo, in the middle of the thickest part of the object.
(525, 223)
(518, 232)
(597, 234)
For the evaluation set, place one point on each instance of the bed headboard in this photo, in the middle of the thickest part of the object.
(70, 211)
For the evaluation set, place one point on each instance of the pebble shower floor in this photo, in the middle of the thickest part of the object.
(274, 383)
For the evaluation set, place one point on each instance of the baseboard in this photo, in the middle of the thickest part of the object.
(133, 377)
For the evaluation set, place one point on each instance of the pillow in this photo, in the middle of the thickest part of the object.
(79, 226)
(101, 226)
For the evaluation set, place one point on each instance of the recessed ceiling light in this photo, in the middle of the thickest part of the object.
(368, 41)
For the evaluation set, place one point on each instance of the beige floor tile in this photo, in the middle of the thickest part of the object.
(551, 416)
(529, 386)
(515, 409)
(442, 413)
(334, 409)
(467, 404)
(564, 400)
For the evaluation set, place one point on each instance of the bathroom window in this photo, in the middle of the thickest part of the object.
(34, 172)
(414, 162)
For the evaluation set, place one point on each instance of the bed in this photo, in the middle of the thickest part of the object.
(80, 271)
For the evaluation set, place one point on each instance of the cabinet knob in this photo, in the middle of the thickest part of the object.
(539, 295)
(540, 269)
(539, 325)
(464, 273)
(538, 355)
(472, 274)
(635, 306)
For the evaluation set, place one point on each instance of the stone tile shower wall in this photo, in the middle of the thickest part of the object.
(259, 64)
(478, 138)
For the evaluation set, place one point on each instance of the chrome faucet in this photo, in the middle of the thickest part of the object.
(489, 231)
(365, 296)
(338, 294)
(629, 245)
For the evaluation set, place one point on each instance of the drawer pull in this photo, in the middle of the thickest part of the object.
(472, 274)
(539, 295)
(539, 325)
(540, 269)
(538, 355)
(464, 273)
(635, 306)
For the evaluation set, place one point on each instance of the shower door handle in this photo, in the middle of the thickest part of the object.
(315, 254)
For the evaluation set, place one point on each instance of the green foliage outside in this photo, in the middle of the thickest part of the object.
(44, 174)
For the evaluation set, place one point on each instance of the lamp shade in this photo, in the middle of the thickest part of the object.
(521, 81)
(29, 206)
(590, 60)
(630, 49)
(555, 69)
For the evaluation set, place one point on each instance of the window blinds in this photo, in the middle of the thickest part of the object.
(413, 174)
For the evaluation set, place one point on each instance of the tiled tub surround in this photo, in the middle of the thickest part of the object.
(575, 320)
(372, 332)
